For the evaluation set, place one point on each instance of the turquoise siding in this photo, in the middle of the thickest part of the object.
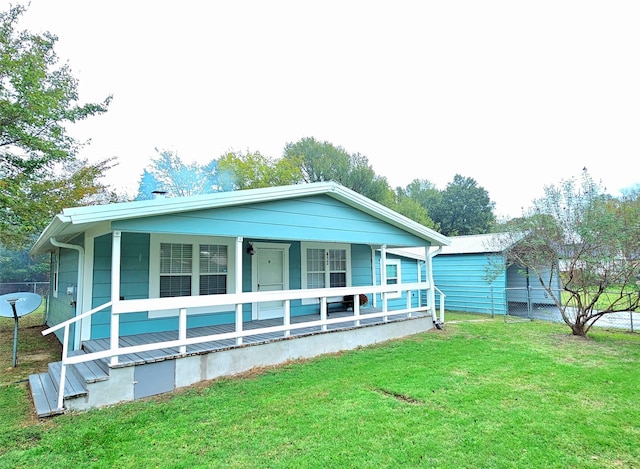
(134, 279)
(316, 218)
(467, 282)
(135, 285)
(409, 269)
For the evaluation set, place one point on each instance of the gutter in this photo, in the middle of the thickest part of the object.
(429, 264)
(79, 288)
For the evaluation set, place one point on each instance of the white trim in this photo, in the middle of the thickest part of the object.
(154, 268)
(284, 247)
(303, 265)
(62, 223)
(56, 271)
(398, 263)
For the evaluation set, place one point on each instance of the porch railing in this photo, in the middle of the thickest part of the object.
(237, 300)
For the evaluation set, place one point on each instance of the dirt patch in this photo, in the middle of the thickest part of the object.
(401, 397)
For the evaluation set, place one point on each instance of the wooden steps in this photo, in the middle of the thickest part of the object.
(45, 386)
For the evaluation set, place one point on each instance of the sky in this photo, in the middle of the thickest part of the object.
(517, 95)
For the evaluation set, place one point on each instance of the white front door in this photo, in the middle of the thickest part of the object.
(271, 273)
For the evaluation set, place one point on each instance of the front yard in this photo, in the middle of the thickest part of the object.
(478, 394)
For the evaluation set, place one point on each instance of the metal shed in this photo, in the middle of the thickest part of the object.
(475, 275)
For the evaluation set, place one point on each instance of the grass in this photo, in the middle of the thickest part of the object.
(478, 394)
(606, 299)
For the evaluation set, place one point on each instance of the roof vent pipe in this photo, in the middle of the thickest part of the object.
(159, 194)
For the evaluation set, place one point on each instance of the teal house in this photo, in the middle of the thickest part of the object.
(167, 292)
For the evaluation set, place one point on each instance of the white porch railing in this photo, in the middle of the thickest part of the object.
(235, 301)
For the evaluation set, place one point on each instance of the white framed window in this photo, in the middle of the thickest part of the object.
(190, 266)
(393, 269)
(325, 265)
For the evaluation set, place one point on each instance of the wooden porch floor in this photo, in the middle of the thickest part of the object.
(98, 345)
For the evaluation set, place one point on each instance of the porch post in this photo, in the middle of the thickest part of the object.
(182, 329)
(116, 250)
(287, 317)
(238, 286)
(431, 294)
(374, 277)
(383, 277)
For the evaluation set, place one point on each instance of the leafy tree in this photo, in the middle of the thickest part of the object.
(170, 174)
(464, 208)
(17, 266)
(410, 208)
(322, 161)
(423, 193)
(38, 99)
(594, 240)
(254, 170)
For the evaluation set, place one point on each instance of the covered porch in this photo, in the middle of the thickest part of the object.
(107, 371)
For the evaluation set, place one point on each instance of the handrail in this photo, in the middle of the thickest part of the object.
(237, 299)
(76, 318)
(442, 298)
(159, 304)
(175, 343)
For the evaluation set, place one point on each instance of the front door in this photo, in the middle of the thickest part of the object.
(271, 273)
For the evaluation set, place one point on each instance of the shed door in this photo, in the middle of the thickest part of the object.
(270, 266)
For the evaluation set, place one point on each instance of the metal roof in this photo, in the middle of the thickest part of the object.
(76, 220)
(471, 244)
(478, 244)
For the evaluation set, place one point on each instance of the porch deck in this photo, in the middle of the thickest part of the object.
(98, 382)
(99, 345)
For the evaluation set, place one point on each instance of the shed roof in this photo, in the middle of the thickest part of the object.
(471, 244)
(478, 244)
(72, 221)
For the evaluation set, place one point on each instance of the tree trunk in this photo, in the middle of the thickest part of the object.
(578, 329)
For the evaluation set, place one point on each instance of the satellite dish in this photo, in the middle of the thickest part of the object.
(24, 303)
(15, 305)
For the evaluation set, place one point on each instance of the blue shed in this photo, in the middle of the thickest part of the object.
(475, 275)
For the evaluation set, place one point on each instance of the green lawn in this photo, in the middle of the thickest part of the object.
(479, 394)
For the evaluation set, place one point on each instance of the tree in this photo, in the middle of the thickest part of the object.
(424, 192)
(170, 174)
(17, 266)
(410, 208)
(593, 239)
(322, 161)
(463, 209)
(38, 100)
(254, 170)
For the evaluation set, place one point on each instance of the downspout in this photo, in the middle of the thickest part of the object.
(432, 292)
(79, 288)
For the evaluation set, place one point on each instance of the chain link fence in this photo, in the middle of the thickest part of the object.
(523, 304)
(41, 288)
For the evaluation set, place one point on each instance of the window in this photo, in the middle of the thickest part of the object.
(189, 266)
(394, 275)
(214, 263)
(325, 266)
(176, 265)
